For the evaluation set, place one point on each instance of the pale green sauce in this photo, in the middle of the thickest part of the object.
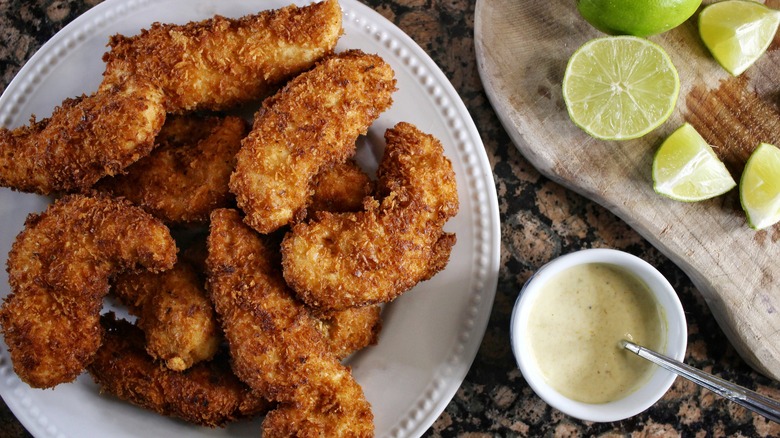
(576, 325)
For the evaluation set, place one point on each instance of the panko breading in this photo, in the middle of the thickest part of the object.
(220, 63)
(341, 188)
(274, 343)
(208, 394)
(59, 269)
(187, 175)
(308, 126)
(350, 259)
(350, 330)
(83, 140)
(174, 313)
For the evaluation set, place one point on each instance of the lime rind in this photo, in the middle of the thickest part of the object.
(620, 87)
(737, 33)
(636, 17)
(759, 187)
(685, 168)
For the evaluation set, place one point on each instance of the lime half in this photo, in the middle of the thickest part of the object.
(620, 87)
(737, 32)
(685, 168)
(759, 188)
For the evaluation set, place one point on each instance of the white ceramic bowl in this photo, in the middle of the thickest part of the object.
(675, 334)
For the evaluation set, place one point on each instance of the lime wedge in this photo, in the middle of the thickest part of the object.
(685, 168)
(737, 32)
(620, 87)
(759, 188)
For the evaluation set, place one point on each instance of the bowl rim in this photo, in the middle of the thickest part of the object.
(676, 336)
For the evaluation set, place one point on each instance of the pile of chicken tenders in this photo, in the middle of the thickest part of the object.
(254, 257)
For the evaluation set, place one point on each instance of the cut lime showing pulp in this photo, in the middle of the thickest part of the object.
(620, 87)
(759, 188)
(737, 32)
(685, 168)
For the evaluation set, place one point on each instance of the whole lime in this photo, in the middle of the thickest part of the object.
(636, 17)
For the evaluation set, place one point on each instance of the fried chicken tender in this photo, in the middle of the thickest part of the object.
(59, 269)
(208, 394)
(307, 127)
(274, 342)
(350, 330)
(341, 188)
(187, 175)
(351, 259)
(174, 312)
(220, 63)
(84, 139)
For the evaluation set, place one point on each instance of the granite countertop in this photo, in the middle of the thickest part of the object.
(539, 221)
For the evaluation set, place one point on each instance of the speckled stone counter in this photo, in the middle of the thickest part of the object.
(539, 221)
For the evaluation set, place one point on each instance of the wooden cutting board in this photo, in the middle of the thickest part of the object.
(522, 50)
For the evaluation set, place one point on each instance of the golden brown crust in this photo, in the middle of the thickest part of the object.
(214, 64)
(441, 255)
(59, 269)
(187, 175)
(275, 346)
(341, 188)
(207, 394)
(83, 140)
(351, 259)
(174, 313)
(332, 406)
(350, 330)
(219, 63)
(308, 126)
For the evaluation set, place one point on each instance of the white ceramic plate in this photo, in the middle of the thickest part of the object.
(430, 335)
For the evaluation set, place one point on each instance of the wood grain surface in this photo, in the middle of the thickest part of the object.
(522, 50)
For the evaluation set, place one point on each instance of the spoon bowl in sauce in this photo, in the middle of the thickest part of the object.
(568, 324)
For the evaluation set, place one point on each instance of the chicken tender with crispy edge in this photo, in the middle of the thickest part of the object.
(219, 63)
(187, 175)
(274, 343)
(59, 269)
(350, 330)
(84, 139)
(347, 331)
(208, 394)
(341, 188)
(307, 127)
(174, 312)
(351, 259)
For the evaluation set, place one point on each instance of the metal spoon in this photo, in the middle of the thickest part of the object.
(752, 400)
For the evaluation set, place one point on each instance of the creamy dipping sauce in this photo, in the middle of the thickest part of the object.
(576, 325)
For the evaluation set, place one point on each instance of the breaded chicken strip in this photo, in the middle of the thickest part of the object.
(220, 63)
(208, 394)
(174, 313)
(351, 259)
(350, 330)
(274, 343)
(59, 269)
(341, 188)
(307, 127)
(177, 316)
(83, 140)
(187, 175)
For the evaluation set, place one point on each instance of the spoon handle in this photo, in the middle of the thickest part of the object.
(752, 400)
